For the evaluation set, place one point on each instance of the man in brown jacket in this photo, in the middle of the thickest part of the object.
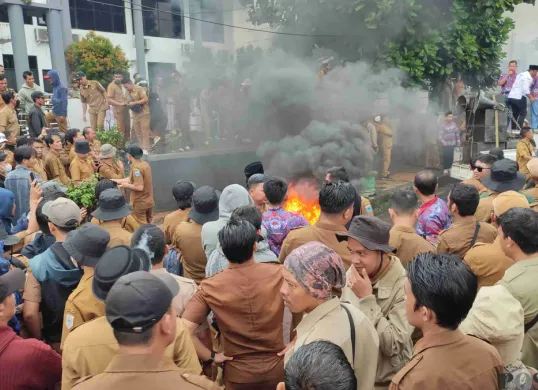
(182, 192)
(440, 291)
(465, 231)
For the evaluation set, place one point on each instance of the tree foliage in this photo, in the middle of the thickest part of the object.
(431, 40)
(96, 56)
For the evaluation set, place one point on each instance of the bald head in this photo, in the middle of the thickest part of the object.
(426, 182)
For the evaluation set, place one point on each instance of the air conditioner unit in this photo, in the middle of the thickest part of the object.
(41, 35)
(147, 44)
(186, 47)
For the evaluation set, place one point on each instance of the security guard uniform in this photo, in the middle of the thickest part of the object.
(9, 120)
(384, 133)
(141, 120)
(81, 169)
(94, 95)
(142, 201)
(524, 152)
(55, 169)
(121, 113)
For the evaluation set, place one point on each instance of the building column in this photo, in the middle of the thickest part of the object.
(57, 55)
(197, 14)
(66, 24)
(18, 42)
(184, 4)
(139, 38)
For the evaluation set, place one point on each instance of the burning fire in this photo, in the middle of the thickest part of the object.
(304, 200)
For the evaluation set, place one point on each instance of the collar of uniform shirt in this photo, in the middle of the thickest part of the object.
(330, 226)
(444, 337)
(312, 318)
(143, 363)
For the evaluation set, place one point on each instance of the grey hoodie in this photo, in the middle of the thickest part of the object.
(25, 97)
(232, 197)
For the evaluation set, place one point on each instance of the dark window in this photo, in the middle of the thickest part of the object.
(162, 19)
(211, 13)
(9, 69)
(5, 19)
(109, 17)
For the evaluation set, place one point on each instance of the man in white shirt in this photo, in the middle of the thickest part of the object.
(517, 98)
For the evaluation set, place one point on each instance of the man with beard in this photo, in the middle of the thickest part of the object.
(117, 99)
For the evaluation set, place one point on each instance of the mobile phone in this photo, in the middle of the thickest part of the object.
(32, 176)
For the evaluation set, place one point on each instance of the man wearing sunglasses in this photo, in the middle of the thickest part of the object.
(481, 167)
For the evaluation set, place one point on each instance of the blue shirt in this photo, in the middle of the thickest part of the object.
(18, 182)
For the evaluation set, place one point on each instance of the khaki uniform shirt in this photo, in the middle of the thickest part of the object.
(520, 280)
(90, 348)
(366, 207)
(108, 169)
(142, 372)
(8, 120)
(187, 288)
(93, 94)
(329, 321)
(450, 360)
(172, 220)
(322, 232)
(81, 169)
(39, 168)
(95, 147)
(386, 311)
(485, 207)
(129, 223)
(524, 152)
(65, 155)
(408, 243)
(55, 169)
(141, 174)
(457, 238)
(488, 262)
(118, 234)
(2, 103)
(81, 306)
(137, 94)
(253, 343)
(187, 241)
(115, 92)
(532, 192)
(477, 184)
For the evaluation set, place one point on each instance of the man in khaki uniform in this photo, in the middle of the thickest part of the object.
(384, 134)
(111, 215)
(39, 166)
(375, 286)
(4, 88)
(403, 238)
(93, 95)
(8, 146)
(108, 168)
(90, 349)
(487, 261)
(525, 151)
(182, 192)
(532, 166)
(465, 231)
(481, 167)
(140, 184)
(95, 145)
(85, 245)
(8, 115)
(518, 231)
(137, 101)
(82, 167)
(117, 99)
(68, 153)
(53, 166)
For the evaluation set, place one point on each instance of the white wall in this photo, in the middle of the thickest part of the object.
(520, 46)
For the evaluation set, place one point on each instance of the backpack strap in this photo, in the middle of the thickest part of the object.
(352, 326)
(475, 236)
(531, 324)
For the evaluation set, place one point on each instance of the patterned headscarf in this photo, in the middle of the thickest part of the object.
(317, 268)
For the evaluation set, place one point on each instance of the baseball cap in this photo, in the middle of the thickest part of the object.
(508, 200)
(62, 212)
(139, 300)
(183, 190)
(11, 282)
(371, 232)
(532, 166)
(134, 150)
(79, 75)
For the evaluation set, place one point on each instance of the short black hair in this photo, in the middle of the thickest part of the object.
(126, 81)
(37, 141)
(23, 153)
(275, 190)
(3, 156)
(104, 184)
(70, 135)
(2, 76)
(338, 173)
(512, 62)
(319, 365)
(249, 213)
(448, 113)
(426, 182)
(26, 73)
(444, 284)
(237, 240)
(49, 140)
(257, 178)
(152, 240)
(22, 141)
(498, 153)
(486, 159)
(8, 96)
(86, 130)
(466, 199)
(521, 225)
(336, 197)
(42, 220)
(404, 202)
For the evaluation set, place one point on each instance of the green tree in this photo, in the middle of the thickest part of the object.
(96, 56)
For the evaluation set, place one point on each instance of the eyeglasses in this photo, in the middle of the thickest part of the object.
(479, 169)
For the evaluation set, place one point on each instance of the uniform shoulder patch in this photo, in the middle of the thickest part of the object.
(368, 208)
(137, 173)
(69, 321)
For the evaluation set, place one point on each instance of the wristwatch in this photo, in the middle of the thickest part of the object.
(211, 359)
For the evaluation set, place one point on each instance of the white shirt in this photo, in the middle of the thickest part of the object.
(522, 86)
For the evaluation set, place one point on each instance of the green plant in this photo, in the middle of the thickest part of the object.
(83, 194)
(111, 136)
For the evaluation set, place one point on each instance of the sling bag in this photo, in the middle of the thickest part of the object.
(352, 325)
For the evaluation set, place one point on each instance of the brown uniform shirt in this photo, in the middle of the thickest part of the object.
(485, 207)
(8, 119)
(81, 169)
(408, 243)
(93, 94)
(55, 169)
(253, 293)
(141, 174)
(39, 168)
(138, 93)
(142, 372)
(524, 152)
(115, 92)
(457, 238)
(2, 102)
(533, 192)
(322, 232)
(477, 184)
(129, 223)
(90, 348)
(65, 155)
(95, 147)
(187, 289)
(450, 360)
(187, 240)
(108, 169)
(118, 235)
(488, 262)
(172, 220)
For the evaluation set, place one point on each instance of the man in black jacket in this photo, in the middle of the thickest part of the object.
(37, 124)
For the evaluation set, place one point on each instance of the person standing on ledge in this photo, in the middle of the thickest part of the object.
(137, 102)
(59, 100)
(92, 95)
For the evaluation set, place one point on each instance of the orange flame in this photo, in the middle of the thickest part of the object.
(308, 208)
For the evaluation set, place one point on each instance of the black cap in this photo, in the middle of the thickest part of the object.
(139, 300)
(134, 150)
(115, 263)
(8, 239)
(253, 168)
(82, 146)
(112, 206)
(504, 176)
(79, 75)
(533, 67)
(11, 282)
(183, 190)
(371, 232)
(37, 95)
(87, 244)
(205, 205)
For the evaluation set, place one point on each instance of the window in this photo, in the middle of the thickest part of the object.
(88, 15)
(9, 68)
(210, 11)
(162, 19)
(5, 19)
